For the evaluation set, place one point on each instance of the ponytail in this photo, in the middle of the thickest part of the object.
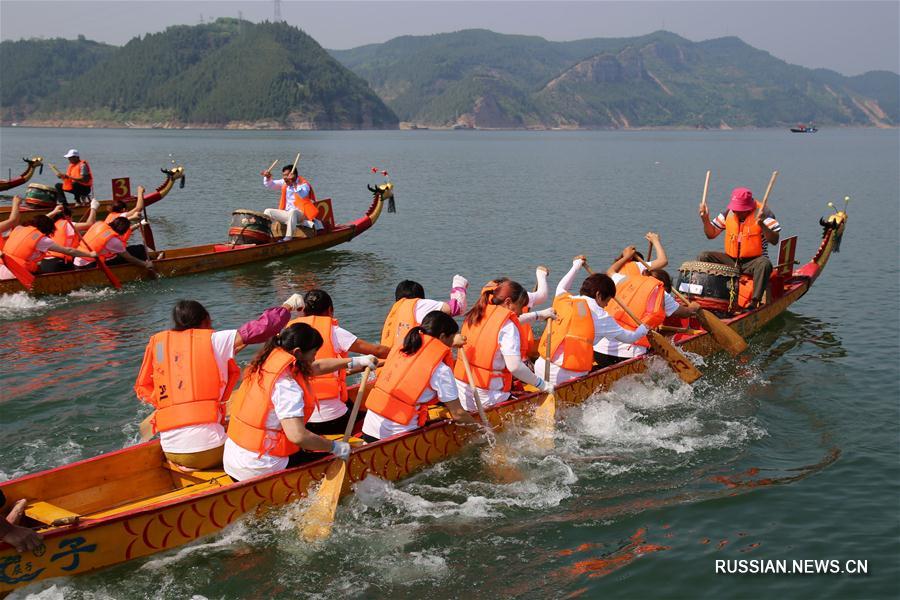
(298, 336)
(496, 292)
(436, 324)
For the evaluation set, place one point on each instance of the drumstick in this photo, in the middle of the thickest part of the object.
(272, 166)
(296, 160)
(705, 188)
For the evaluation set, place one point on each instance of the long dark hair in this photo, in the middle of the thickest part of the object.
(44, 224)
(598, 283)
(409, 289)
(662, 276)
(496, 294)
(317, 303)
(298, 336)
(188, 314)
(436, 323)
(65, 213)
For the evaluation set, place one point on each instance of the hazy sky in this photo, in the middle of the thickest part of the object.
(848, 36)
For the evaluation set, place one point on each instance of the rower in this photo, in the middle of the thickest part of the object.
(188, 374)
(29, 244)
(648, 293)
(11, 221)
(65, 235)
(493, 347)
(77, 180)
(411, 306)
(417, 374)
(748, 233)
(120, 209)
(528, 315)
(297, 201)
(267, 429)
(23, 539)
(583, 322)
(106, 239)
(331, 413)
(633, 266)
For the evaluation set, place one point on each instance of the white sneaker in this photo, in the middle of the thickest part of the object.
(287, 238)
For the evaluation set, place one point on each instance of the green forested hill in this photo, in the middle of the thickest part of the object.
(484, 79)
(227, 73)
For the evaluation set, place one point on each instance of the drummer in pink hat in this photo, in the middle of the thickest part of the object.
(748, 233)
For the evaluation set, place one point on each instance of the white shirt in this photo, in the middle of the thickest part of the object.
(113, 246)
(333, 408)
(441, 384)
(301, 190)
(425, 306)
(509, 345)
(197, 438)
(287, 400)
(43, 245)
(613, 347)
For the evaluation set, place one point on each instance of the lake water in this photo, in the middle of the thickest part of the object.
(790, 453)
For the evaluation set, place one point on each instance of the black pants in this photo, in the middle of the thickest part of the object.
(137, 251)
(80, 193)
(759, 267)
(605, 360)
(55, 265)
(333, 427)
(368, 438)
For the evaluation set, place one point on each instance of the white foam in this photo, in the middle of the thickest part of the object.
(19, 304)
(92, 293)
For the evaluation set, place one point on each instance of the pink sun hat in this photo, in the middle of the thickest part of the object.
(741, 199)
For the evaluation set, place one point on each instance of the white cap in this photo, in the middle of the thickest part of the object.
(72, 152)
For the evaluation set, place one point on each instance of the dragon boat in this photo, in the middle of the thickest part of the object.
(27, 213)
(129, 503)
(210, 257)
(35, 163)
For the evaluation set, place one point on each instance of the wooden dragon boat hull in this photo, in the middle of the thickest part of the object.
(198, 259)
(127, 504)
(27, 213)
(34, 163)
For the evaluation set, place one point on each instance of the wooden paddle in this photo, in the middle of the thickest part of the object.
(725, 336)
(19, 271)
(478, 405)
(684, 368)
(100, 261)
(319, 518)
(545, 414)
(147, 233)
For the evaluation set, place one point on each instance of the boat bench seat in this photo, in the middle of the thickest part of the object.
(50, 514)
(203, 475)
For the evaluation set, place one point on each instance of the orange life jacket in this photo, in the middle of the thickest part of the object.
(96, 239)
(75, 171)
(630, 268)
(330, 385)
(743, 239)
(63, 236)
(573, 332)
(180, 378)
(305, 205)
(112, 217)
(526, 340)
(253, 402)
(404, 378)
(400, 319)
(646, 297)
(482, 342)
(22, 246)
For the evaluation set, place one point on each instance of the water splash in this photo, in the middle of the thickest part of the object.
(20, 304)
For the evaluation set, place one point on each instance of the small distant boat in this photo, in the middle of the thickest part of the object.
(804, 128)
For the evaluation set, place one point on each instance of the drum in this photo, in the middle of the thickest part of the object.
(708, 280)
(250, 227)
(40, 196)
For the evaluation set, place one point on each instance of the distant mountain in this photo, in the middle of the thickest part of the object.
(225, 74)
(479, 78)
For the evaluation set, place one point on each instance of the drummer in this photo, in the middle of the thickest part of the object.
(77, 180)
(748, 233)
(297, 202)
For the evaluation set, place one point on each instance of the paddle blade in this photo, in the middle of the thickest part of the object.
(724, 335)
(109, 274)
(684, 368)
(501, 465)
(319, 518)
(25, 277)
(545, 422)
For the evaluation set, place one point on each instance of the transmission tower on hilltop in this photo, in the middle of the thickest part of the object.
(277, 10)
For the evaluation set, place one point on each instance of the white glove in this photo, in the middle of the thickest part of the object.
(578, 263)
(295, 302)
(340, 449)
(95, 204)
(368, 360)
(547, 313)
(460, 282)
(145, 222)
(544, 386)
(642, 330)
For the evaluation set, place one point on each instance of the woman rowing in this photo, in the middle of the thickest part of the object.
(29, 244)
(528, 343)
(648, 293)
(583, 322)
(267, 430)
(493, 346)
(416, 375)
(66, 234)
(120, 209)
(633, 265)
(188, 374)
(411, 306)
(331, 414)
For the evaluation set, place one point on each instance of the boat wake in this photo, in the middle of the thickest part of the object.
(20, 304)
